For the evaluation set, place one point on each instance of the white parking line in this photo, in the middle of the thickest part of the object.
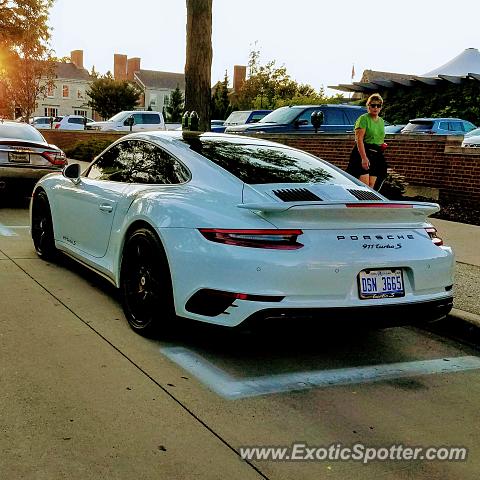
(7, 231)
(231, 388)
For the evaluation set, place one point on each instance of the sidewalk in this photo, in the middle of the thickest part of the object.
(465, 241)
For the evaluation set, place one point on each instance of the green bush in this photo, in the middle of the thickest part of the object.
(87, 150)
(394, 185)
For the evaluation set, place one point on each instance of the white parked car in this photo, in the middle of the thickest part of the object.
(41, 123)
(141, 120)
(25, 156)
(71, 122)
(224, 229)
(472, 139)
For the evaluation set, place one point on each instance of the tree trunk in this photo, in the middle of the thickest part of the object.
(198, 63)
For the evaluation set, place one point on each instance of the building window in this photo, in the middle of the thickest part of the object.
(80, 112)
(51, 112)
(65, 91)
(153, 100)
(80, 95)
(166, 100)
(51, 91)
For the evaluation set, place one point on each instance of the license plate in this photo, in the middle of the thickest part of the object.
(19, 157)
(386, 283)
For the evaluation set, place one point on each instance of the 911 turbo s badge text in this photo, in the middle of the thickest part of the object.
(369, 246)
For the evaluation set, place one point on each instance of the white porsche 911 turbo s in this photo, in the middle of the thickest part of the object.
(224, 229)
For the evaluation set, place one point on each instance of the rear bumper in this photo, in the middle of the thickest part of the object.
(34, 173)
(368, 316)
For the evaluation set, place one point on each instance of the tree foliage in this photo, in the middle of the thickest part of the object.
(270, 87)
(108, 96)
(175, 107)
(198, 64)
(444, 100)
(26, 70)
(221, 107)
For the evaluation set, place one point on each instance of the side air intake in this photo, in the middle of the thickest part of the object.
(363, 194)
(296, 195)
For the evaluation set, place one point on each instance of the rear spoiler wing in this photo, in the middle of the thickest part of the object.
(420, 208)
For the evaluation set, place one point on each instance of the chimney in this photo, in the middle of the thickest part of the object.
(239, 76)
(133, 65)
(76, 57)
(119, 66)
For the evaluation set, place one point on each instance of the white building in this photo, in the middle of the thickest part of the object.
(72, 80)
(68, 95)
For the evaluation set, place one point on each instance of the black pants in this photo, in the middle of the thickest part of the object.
(378, 165)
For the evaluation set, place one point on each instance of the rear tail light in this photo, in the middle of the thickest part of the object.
(432, 233)
(273, 239)
(57, 125)
(55, 158)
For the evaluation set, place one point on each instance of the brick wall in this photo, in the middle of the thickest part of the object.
(428, 161)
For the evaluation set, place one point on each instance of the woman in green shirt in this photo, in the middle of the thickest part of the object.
(367, 162)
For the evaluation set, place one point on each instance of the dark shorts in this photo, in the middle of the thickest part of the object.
(378, 165)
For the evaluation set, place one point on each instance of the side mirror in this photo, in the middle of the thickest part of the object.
(72, 172)
(299, 123)
(129, 122)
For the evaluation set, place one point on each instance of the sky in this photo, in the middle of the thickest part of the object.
(317, 41)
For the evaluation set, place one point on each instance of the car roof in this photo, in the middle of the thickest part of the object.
(172, 135)
(138, 111)
(433, 119)
(326, 105)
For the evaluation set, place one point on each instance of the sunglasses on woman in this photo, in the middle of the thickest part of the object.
(375, 105)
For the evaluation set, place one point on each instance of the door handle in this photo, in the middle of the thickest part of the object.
(105, 207)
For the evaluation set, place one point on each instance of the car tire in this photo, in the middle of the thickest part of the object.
(42, 227)
(146, 284)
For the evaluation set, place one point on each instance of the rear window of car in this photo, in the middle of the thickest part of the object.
(57, 119)
(260, 164)
(237, 118)
(41, 121)
(419, 126)
(256, 117)
(76, 120)
(146, 118)
(23, 132)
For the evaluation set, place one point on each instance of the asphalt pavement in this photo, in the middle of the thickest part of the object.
(82, 397)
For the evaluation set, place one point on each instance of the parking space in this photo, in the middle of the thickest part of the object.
(217, 390)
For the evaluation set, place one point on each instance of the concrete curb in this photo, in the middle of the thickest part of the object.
(464, 316)
(460, 326)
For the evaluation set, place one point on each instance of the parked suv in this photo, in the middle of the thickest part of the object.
(297, 119)
(240, 117)
(438, 126)
(142, 120)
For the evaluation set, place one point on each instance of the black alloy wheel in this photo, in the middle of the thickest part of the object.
(42, 227)
(146, 284)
